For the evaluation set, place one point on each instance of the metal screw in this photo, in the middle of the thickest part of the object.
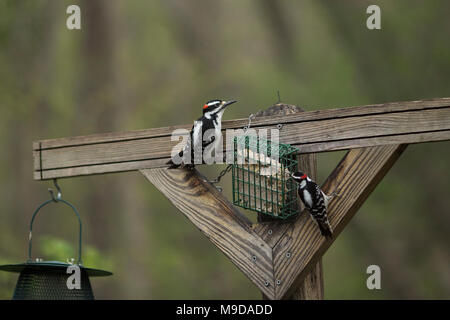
(279, 126)
(254, 258)
(278, 282)
(288, 254)
(266, 283)
(270, 231)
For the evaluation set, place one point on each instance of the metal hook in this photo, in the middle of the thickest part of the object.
(249, 122)
(58, 189)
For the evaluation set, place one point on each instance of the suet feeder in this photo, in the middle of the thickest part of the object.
(49, 280)
(262, 176)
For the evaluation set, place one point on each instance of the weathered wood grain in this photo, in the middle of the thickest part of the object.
(410, 122)
(99, 169)
(109, 153)
(355, 177)
(377, 141)
(219, 220)
(271, 120)
(312, 286)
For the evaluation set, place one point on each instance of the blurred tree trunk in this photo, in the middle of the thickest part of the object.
(197, 31)
(281, 33)
(27, 66)
(113, 199)
(372, 67)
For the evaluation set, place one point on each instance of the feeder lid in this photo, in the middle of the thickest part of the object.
(52, 265)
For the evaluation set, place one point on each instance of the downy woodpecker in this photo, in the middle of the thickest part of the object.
(315, 200)
(212, 119)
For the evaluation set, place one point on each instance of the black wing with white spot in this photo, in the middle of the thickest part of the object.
(318, 207)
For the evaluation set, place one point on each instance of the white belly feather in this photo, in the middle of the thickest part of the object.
(308, 198)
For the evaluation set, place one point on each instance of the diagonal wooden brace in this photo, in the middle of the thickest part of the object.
(355, 177)
(279, 262)
(219, 220)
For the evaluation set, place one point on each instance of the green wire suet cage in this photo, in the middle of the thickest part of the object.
(261, 176)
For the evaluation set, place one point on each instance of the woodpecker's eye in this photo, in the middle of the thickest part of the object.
(212, 104)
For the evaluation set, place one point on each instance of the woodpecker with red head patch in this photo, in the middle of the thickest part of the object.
(315, 200)
(212, 119)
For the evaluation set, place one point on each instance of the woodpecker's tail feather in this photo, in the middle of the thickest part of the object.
(325, 229)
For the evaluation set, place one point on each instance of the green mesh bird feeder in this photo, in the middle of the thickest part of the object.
(261, 176)
(49, 280)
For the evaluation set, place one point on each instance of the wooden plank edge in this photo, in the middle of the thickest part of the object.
(304, 149)
(315, 115)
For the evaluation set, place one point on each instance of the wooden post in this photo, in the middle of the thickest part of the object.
(312, 286)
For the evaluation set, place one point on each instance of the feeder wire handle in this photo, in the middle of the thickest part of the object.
(55, 200)
(228, 168)
(222, 173)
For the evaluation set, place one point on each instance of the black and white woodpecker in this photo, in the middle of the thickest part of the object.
(211, 120)
(315, 200)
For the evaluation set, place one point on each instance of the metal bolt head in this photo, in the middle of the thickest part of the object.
(288, 254)
(279, 126)
(254, 258)
(278, 282)
(266, 283)
(270, 231)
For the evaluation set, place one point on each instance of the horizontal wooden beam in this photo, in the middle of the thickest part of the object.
(312, 131)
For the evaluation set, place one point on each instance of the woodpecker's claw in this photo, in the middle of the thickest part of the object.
(335, 193)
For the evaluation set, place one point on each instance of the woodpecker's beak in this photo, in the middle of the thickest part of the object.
(227, 103)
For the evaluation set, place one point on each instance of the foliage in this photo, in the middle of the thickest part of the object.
(140, 64)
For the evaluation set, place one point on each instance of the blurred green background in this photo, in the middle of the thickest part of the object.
(140, 64)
